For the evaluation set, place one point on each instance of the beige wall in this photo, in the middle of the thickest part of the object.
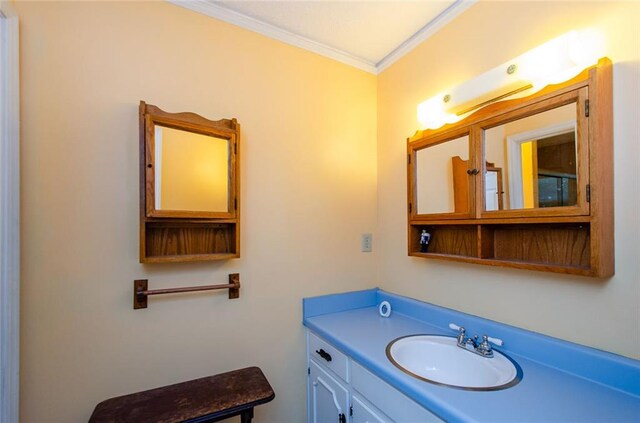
(309, 181)
(308, 192)
(599, 313)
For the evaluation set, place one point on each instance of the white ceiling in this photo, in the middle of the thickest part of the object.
(368, 30)
(369, 35)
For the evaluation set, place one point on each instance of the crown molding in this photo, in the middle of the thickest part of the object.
(219, 12)
(209, 8)
(427, 31)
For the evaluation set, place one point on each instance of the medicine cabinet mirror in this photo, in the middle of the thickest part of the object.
(442, 160)
(190, 164)
(522, 183)
(189, 186)
(539, 159)
(191, 171)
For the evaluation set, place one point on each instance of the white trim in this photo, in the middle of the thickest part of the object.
(209, 8)
(514, 154)
(9, 216)
(427, 31)
(219, 12)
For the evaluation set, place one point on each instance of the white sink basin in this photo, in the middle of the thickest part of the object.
(439, 360)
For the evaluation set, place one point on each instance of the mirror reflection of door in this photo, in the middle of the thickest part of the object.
(493, 192)
(538, 154)
(548, 170)
(556, 171)
(492, 187)
(459, 168)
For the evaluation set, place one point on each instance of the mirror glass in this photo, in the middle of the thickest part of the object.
(532, 162)
(441, 177)
(191, 171)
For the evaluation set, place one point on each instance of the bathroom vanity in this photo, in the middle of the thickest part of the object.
(339, 386)
(351, 378)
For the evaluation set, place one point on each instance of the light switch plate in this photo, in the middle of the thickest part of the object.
(366, 243)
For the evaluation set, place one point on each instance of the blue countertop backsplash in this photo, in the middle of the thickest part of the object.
(562, 381)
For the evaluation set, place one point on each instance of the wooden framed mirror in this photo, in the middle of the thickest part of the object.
(439, 182)
(190, 164)
(543, 152)
(535, 190)
(189, 186)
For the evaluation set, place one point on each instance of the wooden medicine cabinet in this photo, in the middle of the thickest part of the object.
(525, 183)
(189, 187)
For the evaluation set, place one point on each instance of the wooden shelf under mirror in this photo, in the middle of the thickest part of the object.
(559, 247)
(175, 240)
(189, 187)
(524, 183)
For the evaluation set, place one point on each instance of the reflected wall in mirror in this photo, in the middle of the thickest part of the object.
(191, 171)
(437, 167)
(532, 162)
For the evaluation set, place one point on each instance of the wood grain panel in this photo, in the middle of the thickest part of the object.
(567, 245)
(189, 239)
(455, 239)
(601, 170)
(460, 184)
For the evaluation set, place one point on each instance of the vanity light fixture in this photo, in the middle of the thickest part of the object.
(552, 62)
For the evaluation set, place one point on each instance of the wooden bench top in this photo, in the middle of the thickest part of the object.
(225, 394)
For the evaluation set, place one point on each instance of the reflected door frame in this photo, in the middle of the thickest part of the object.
(514, 156)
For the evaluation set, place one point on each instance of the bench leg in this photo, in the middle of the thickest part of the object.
(246, 416)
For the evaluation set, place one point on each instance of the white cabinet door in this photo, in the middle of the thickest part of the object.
(387, 399)
(328, 399)
(363, 413)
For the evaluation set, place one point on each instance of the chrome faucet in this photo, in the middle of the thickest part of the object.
(483, 348)
(461, 335)
(471, 344)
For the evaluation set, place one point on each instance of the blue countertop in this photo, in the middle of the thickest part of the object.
(561, 381)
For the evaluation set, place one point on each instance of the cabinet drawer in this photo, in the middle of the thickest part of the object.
(330, 357)
(390, 401)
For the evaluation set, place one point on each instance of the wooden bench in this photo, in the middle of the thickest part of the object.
(209, 399)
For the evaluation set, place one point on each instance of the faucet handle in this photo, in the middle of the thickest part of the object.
(455, 327)
(496, 341)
